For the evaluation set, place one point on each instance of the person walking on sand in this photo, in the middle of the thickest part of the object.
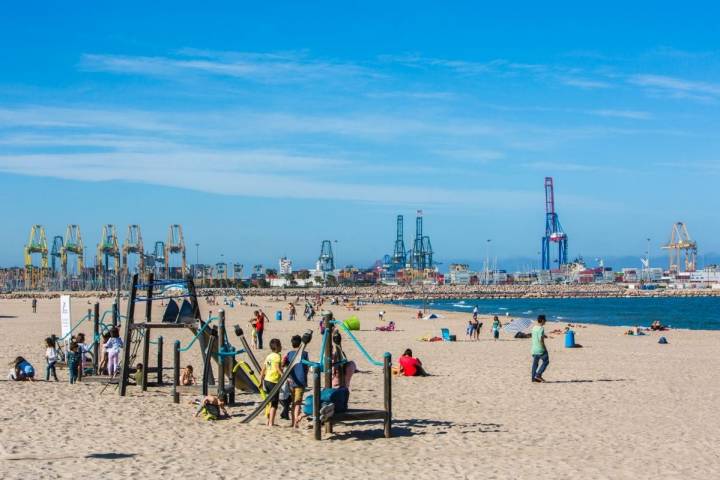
(496, 326)
(292, 312)
(539, 350)
(34, 305)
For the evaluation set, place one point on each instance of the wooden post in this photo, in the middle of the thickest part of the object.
(115, 315)
(192, 292)
(146, 331)
(340, 367)
(328, 363)
(221, 359)
(207, 365)
(387, 394)
(248, 351)
(176, 371)
(316, 404)
(160, 361)
(128, 331)
(96, 337)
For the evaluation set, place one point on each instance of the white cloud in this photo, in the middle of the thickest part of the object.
(266, 68)
(585, 83)
(252, 174)
(630, 114)
(678, 86)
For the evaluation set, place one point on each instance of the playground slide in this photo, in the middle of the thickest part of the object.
(241, 377)
(245, 379)
(261, 407)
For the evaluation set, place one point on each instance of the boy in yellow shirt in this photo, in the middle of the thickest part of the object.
(271, 373)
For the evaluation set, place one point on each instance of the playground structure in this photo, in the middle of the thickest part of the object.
(100, 325)
(553, 231)
(234, 374)
(137, 336)
(331, 348)
(682, 249)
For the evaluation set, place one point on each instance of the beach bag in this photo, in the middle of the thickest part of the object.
(210, 412)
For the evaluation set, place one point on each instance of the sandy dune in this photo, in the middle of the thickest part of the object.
(622, 407)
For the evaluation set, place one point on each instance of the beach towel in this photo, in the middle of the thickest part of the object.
(518, 325)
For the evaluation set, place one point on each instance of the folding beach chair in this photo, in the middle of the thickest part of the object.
(445, 333)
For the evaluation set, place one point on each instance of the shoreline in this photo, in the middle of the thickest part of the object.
(384, 293)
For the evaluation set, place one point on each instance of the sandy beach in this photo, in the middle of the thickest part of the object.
(621, 407)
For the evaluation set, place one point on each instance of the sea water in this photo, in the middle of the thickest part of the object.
(699, 313)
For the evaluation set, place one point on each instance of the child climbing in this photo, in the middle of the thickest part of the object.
(113, 347)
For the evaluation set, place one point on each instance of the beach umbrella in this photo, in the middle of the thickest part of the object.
(518, 325)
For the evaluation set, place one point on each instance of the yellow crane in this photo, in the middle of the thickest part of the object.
(36, 277)
(681, 247)
(107, 248)
(73, 245)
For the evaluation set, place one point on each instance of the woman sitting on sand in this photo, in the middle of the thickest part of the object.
(409, 366)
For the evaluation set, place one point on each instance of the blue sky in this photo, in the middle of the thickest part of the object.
(264, 129)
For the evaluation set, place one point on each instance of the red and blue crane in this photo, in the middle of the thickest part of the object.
(554, 234)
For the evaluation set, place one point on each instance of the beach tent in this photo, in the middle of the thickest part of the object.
(432, 316)
(518, 325)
